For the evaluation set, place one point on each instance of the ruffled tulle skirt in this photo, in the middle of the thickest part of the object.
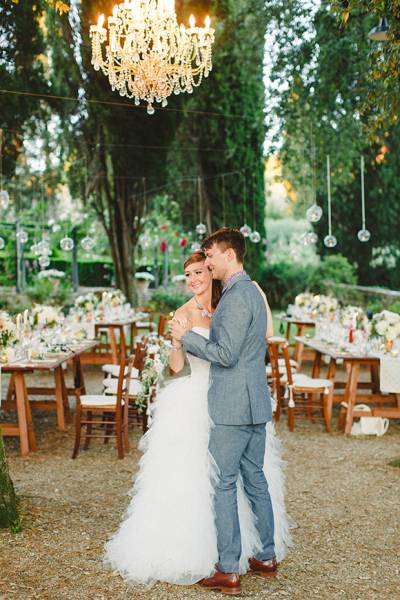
(168, 531)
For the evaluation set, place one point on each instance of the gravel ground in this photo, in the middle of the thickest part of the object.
(342, 493)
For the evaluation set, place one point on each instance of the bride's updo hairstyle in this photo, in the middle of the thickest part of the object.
(216, 291)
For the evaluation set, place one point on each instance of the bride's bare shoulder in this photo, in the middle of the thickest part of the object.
(184, 310)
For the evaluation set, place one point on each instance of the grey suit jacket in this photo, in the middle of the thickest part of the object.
(238, 393)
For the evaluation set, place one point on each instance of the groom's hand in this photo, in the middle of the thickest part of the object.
(178, 328)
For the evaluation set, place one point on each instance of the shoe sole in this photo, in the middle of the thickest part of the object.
(223, 590)
(264, 574)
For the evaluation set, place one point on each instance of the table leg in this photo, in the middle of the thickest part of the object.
(288, 331)
(11, 388)
(375, 378)
(331, 370)
(350, 395)
(316, 370)
(67, 410)
(60, 391)
(20, 398)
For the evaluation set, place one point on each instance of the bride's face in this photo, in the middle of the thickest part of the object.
(198, 278)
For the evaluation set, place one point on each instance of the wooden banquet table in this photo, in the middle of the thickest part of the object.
(18, 388)
(352, 362)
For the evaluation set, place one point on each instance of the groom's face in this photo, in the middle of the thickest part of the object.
(217, 261)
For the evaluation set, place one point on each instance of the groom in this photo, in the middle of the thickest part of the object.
(239, 406)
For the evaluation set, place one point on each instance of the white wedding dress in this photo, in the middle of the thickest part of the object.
(168, 532)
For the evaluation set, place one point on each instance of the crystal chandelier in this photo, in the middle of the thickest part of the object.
(148, 56)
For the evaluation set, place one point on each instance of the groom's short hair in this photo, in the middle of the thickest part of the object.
(227, 237)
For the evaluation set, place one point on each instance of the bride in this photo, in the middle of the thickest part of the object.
(168, 531)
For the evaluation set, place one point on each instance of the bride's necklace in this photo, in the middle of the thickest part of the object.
(204, 311)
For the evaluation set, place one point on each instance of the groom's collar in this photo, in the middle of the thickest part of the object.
(240, 275)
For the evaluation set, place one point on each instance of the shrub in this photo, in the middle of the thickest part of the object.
(332, 269)
(165, 300)
(283, 281)
(395, 307)
(49, 291)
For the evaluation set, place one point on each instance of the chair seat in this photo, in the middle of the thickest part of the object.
(113, 370)
(304, 381)
(111, 385)
(281, 362)
(143, 324)
(92, 400)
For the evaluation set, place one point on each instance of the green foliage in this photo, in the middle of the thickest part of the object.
(283, 281)
(9, 517)
(395, 307)
(332, 269)
(165, 300)
(49, 291)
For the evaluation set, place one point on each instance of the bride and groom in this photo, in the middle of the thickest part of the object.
(208, 502)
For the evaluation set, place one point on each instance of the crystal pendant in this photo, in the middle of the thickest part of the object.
(22, 236)
(195, 247)
(88, 243)
(245, 230)
(330, 241)
(150, 109)
(2, 243)
(56, 228)
(364, 235)
(312, 237)
(201, 229)
(314, 213)
(304, 240)
(44, 261)
(255, 237)
(4, 199)
(67, 244)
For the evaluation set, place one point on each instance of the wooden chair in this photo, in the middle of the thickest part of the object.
(112, 411)
(162, 325)
(296, 393)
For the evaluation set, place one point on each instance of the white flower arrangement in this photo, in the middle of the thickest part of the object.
(45, 316)
(143, 276)
(304, 300)
(87, 302)
(113, 298)
(8, 330)
(354, 317)
(324, 305)
(51, 273)
(386, 325)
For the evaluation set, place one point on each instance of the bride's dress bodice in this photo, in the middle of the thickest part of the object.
(198, 366)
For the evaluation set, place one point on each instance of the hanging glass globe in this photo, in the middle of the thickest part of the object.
(22, 236)
(145, 241)
(4, 199)
(245, 230)
(364, 235)
(255, 237)
(303, 239)
(201, 229)
(56, 228)
(34, 249)
(314, 213)
(67, 244)
(195, 247)
(43, 247)
(330, 241)
(312, 237)
(88, 244)
(2, 243)
(44, 261)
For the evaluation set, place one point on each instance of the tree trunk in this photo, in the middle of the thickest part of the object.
(8, 502)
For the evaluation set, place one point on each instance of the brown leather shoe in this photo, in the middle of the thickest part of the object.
(227, 583)
(264, 568)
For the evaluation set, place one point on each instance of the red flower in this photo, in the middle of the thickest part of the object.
(163, 246)
(183, 243)
(164, 227)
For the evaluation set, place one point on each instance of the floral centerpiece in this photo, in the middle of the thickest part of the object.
(323, 306)
(304, 300)
(87, 303)
(386, 325)
(157, 353)
(114, 298)
(8, 330)
(143, 276)
(45, 316)
(354, 317)
(51, 274)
